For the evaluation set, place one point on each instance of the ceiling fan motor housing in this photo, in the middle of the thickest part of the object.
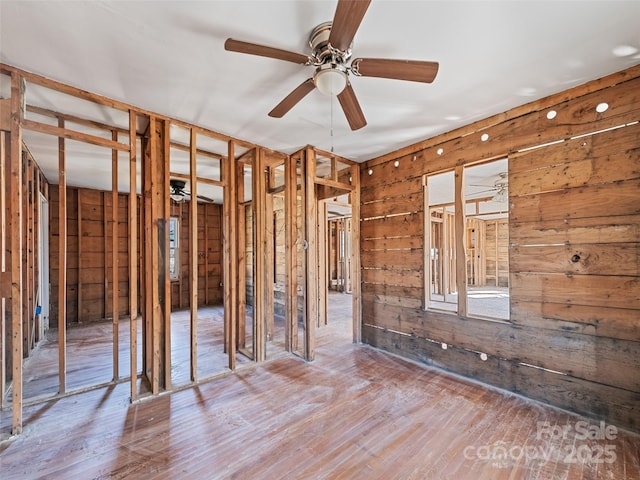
(331, 75)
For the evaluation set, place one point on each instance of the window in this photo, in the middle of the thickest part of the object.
(174, 261)
(441, 291)
(484, 243)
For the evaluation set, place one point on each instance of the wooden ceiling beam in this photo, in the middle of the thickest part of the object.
(73, 135)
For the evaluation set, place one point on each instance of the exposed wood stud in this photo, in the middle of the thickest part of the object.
(62, 263)
(79, 319)
(133, 256)
(269, 252)
(291, 254)
(114, 258)
(259, 260)
(356, 272)
(165, 284)
(230, 253)
(311, 229)
(460, 243)
(193, 256)
(5, 233)
(241, 238)
(15, 180)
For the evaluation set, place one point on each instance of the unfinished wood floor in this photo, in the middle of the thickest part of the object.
(353, 413)
(90, 353)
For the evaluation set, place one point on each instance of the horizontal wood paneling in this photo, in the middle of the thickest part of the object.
(397, 226)
(580, 259)
(587, 319)
(396, 259)
(409, 278)
(604, 360)
(392, 206)
(574, 244)
(609, 229)
(620, 198)
(564, 391)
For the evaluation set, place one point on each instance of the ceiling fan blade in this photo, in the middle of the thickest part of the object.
(294, 97)
(412, 70)
(346, 20)
(239, 46)
(206, 199)
(351, 108)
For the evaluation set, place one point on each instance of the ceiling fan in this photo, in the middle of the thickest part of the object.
(500, 187)
(330, 44)
(178, 193)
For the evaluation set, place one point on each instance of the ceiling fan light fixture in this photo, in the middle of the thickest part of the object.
(176, 197)
(330, 80)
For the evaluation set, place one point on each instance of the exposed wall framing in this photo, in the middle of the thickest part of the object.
(131, 236)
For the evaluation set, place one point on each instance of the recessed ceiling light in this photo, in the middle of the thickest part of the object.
(551, 114)
(602, 107)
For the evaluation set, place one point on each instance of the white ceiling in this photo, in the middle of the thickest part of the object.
(168, 57)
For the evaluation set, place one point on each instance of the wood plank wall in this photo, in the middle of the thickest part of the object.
(33, 185)
(573, 339)
(209, 255)
(89, 250)
(497, 252)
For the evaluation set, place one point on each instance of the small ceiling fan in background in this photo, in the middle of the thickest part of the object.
(500, 188)
(178, 193)
(330, 43)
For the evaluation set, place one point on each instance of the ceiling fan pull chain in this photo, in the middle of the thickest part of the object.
(331, 100)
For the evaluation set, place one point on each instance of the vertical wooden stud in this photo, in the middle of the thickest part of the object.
(16, 247)
(105, 253)
(5, 281)
(291, 260)
(355, 273)
(164, 287)
(80, 256)
(460, 243)
(426, 257)
(311, 229)
(269, 253)
(193, 256)
(133, 256)
(62, 263)
(259, 259)
(114, 258)
(322, 263)
(241, 248)
(230, 256)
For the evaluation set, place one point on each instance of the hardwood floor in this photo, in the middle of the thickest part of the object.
(354, 412)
